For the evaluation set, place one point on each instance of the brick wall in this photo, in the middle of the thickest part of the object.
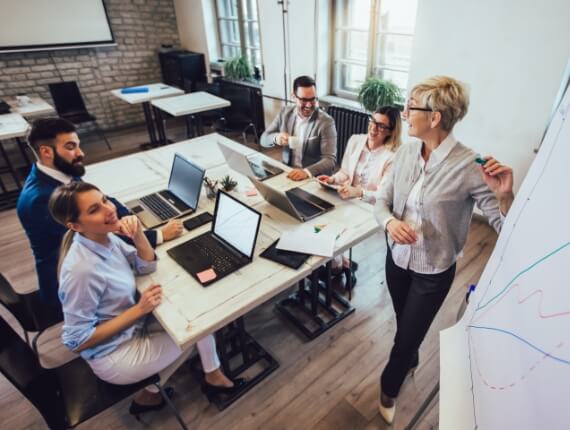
(139, 26)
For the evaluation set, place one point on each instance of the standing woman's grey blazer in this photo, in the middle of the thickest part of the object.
(319, 146)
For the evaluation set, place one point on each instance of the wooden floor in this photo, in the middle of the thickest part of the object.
(329, 383)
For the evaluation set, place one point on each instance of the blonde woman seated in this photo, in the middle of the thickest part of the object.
(103, 321)
(366, 161)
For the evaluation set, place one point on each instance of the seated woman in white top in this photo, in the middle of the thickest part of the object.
(103, 321)
(368, 157)
(366, 161)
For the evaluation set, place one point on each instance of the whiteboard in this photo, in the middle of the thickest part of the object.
(35, 25)
(506, 364)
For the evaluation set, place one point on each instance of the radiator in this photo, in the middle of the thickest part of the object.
(348, 122)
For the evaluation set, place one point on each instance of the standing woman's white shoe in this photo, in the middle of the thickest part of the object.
(387, 407)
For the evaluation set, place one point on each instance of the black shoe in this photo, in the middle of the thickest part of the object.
(354, 266)
(136, 409)
(214, 390)
(347, 272)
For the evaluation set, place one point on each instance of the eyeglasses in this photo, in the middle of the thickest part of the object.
(304, 101)
(423, 109)
(379, 125)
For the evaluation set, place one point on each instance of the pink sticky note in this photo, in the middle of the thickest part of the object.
(206, 275)
(251, 193)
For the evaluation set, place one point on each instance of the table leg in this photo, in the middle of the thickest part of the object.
(149, 124)
(239, 353)
(10, 167)
(315, 316)
(160, 126)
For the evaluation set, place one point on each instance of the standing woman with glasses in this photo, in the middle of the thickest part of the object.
(425, 206)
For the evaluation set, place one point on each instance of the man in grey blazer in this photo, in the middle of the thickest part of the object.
(306, 133)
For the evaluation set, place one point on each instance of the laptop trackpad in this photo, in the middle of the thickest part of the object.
(137, 209)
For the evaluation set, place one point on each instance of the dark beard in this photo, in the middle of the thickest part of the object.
(75, 168)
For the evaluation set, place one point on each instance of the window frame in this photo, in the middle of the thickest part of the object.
(373, 66)
(241, 20)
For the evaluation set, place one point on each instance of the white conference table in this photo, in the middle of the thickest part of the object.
(190, 311)
(188, 104)
(155, 91)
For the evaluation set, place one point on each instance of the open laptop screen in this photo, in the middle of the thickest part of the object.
(236, 223)
(186, 181)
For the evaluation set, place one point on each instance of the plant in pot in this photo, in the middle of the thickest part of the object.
(376, 92)
(238, 68)
(228, 183)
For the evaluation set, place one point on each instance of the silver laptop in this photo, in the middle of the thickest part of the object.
(247, 165)
(296, 202)
(181, 197)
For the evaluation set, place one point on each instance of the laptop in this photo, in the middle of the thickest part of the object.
(227, 247)
(296, 202)
(181, 197)
(248, 166)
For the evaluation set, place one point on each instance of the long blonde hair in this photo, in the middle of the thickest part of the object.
(64, 209)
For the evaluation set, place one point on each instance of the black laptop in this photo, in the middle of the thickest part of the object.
(226, 248)
(181, 197)
(296, 202)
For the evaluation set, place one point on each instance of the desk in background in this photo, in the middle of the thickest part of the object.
(188, 104)
(12, 126)
(155, 91)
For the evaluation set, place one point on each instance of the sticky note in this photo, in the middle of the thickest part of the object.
(206, 275)
(252, 192)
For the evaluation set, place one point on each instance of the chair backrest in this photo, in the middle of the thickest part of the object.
(29, 309)
(66, 97)
(40, 386)
(348, 122)
(16, 305)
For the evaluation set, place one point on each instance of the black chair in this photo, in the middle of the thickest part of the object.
(69, 105)
(67, 395)
(33, 314)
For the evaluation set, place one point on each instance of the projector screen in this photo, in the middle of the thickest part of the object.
(40, 25)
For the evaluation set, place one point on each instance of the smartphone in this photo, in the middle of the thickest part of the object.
(198, 220)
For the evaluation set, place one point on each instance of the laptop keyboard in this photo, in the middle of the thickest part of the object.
(210, 249)
(160, 208)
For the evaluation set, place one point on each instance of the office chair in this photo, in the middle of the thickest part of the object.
(67, 395)
(69, 105)
(33, 314)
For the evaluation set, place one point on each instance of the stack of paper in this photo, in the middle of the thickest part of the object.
(315, 239)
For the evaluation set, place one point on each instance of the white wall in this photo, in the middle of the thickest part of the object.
(192, 27)
(511, 53)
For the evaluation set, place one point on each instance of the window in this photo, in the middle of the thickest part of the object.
(372, 37)
(238, 30)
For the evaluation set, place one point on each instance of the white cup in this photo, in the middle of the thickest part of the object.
(294, 142)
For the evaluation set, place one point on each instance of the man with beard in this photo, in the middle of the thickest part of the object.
(60, 161)
(306, 133)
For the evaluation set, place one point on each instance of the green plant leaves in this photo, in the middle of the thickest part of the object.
(238, 68)
(376, 92)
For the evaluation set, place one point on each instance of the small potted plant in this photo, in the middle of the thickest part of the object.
(376, 92)
(228, 183)
(211, 187)
(238, 68)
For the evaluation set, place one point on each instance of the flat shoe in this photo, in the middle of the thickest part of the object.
(136, 408)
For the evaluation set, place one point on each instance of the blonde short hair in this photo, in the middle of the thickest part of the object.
(445, 95)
